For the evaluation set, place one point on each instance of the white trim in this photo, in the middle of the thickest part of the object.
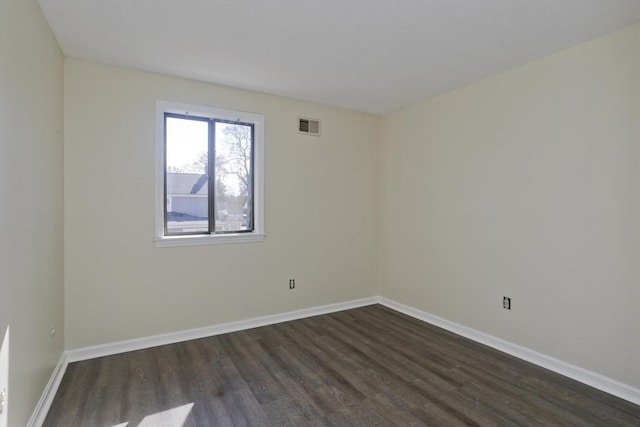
(257, 235)
(169, 241)
(601, 382)
(85, 353)
(42, 408)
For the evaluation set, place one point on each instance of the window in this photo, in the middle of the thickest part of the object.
(209, 178)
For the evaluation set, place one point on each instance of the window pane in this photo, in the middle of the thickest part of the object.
(234, 177)
(187, 180)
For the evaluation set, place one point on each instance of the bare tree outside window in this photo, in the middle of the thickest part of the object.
(234, 172)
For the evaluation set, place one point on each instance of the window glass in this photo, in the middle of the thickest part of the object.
(187, 183)
(234, 177)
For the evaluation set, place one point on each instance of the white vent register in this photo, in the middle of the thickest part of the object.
(308, 126)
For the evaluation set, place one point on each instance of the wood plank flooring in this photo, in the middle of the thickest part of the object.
(360, 367)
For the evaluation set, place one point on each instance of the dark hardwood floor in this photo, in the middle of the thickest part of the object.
(367, 366)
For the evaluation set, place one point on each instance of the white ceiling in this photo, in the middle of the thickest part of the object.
(368, 55)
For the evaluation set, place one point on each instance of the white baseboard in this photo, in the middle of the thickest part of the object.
(43, 405)
(590, 378)
(584, 376)
(85, 353)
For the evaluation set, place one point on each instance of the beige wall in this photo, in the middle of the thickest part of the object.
(321, 221)
(525, 184)
(31, 201)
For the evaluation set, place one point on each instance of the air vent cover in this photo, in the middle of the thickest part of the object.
(308, 126)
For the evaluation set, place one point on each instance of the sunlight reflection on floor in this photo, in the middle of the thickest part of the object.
(175, 417)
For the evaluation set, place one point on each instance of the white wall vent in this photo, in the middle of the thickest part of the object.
(308, 126)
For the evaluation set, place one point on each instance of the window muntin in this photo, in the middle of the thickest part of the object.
(209, 175)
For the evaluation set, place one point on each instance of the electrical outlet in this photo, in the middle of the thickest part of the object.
(292, 283)
(506, 303)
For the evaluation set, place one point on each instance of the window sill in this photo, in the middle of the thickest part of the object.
(218, 239)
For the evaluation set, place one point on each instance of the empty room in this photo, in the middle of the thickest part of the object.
(319, 213)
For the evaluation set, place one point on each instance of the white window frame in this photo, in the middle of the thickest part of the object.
(257, 235)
